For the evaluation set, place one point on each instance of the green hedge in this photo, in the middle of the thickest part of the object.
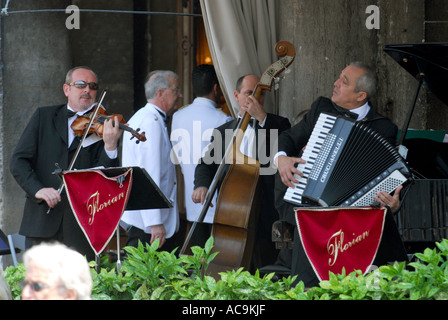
(148, 274)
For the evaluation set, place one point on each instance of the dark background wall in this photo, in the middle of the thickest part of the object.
(330, 34)
(37, 50)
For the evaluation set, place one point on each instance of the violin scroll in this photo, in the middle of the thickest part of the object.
(139, 136)
(123, 126)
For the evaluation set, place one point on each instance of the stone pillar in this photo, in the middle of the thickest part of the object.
(104, 42)
(35, 56)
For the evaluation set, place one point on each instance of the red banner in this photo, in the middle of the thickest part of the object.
(337, 238)
(98, 202)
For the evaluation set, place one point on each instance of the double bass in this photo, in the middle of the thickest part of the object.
(238, 204)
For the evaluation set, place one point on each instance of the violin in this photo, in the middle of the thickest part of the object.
(81, 124)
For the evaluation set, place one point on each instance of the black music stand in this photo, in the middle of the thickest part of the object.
(7, 247)
(145, 194)
(4, 246)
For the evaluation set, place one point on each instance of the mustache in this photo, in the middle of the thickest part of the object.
(86, 95)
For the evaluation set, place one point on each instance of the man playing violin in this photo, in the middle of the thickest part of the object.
(49, 143)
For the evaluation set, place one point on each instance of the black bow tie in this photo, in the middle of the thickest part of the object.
(70, 113)
(252, 122)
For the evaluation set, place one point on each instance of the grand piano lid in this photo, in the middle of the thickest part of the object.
(429, 60)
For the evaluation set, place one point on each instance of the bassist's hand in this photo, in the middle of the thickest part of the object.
(199, 194)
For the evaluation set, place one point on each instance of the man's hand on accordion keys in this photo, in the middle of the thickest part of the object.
(287, 167)
(391, 201)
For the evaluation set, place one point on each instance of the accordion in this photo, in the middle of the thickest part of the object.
(347, 163)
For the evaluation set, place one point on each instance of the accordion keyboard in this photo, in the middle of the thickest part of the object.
(321, 129)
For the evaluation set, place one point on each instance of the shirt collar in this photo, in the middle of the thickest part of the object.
(162, 113)
(80, 113)
(361, 111)
(206, 101)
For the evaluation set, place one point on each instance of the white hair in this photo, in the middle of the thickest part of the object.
(71, 267)
(158, 79)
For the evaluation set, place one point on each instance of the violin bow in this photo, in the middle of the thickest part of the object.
(78, 149)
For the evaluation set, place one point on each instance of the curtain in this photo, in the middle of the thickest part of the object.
(241, 35)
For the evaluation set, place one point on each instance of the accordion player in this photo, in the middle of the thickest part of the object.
(347, 163)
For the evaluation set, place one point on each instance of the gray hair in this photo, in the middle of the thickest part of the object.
(156, 80)
(367, 82)
(68, 76)
(71, 267)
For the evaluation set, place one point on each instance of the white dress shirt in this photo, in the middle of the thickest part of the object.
(249, 144)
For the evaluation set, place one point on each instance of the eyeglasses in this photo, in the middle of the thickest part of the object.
(82, 84)
(176, 90)
(35, 286)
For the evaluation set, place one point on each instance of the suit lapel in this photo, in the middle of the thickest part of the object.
(60, 123)
(61, 133)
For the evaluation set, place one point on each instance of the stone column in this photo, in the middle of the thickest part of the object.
(35, 55)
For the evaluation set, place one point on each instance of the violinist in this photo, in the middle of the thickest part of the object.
(48, 140)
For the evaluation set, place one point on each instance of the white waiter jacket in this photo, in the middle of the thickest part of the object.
(191, 130)
(154, 156)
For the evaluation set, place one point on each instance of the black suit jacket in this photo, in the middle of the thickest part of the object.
(208, 165)
(42, 145)
(264, 251)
